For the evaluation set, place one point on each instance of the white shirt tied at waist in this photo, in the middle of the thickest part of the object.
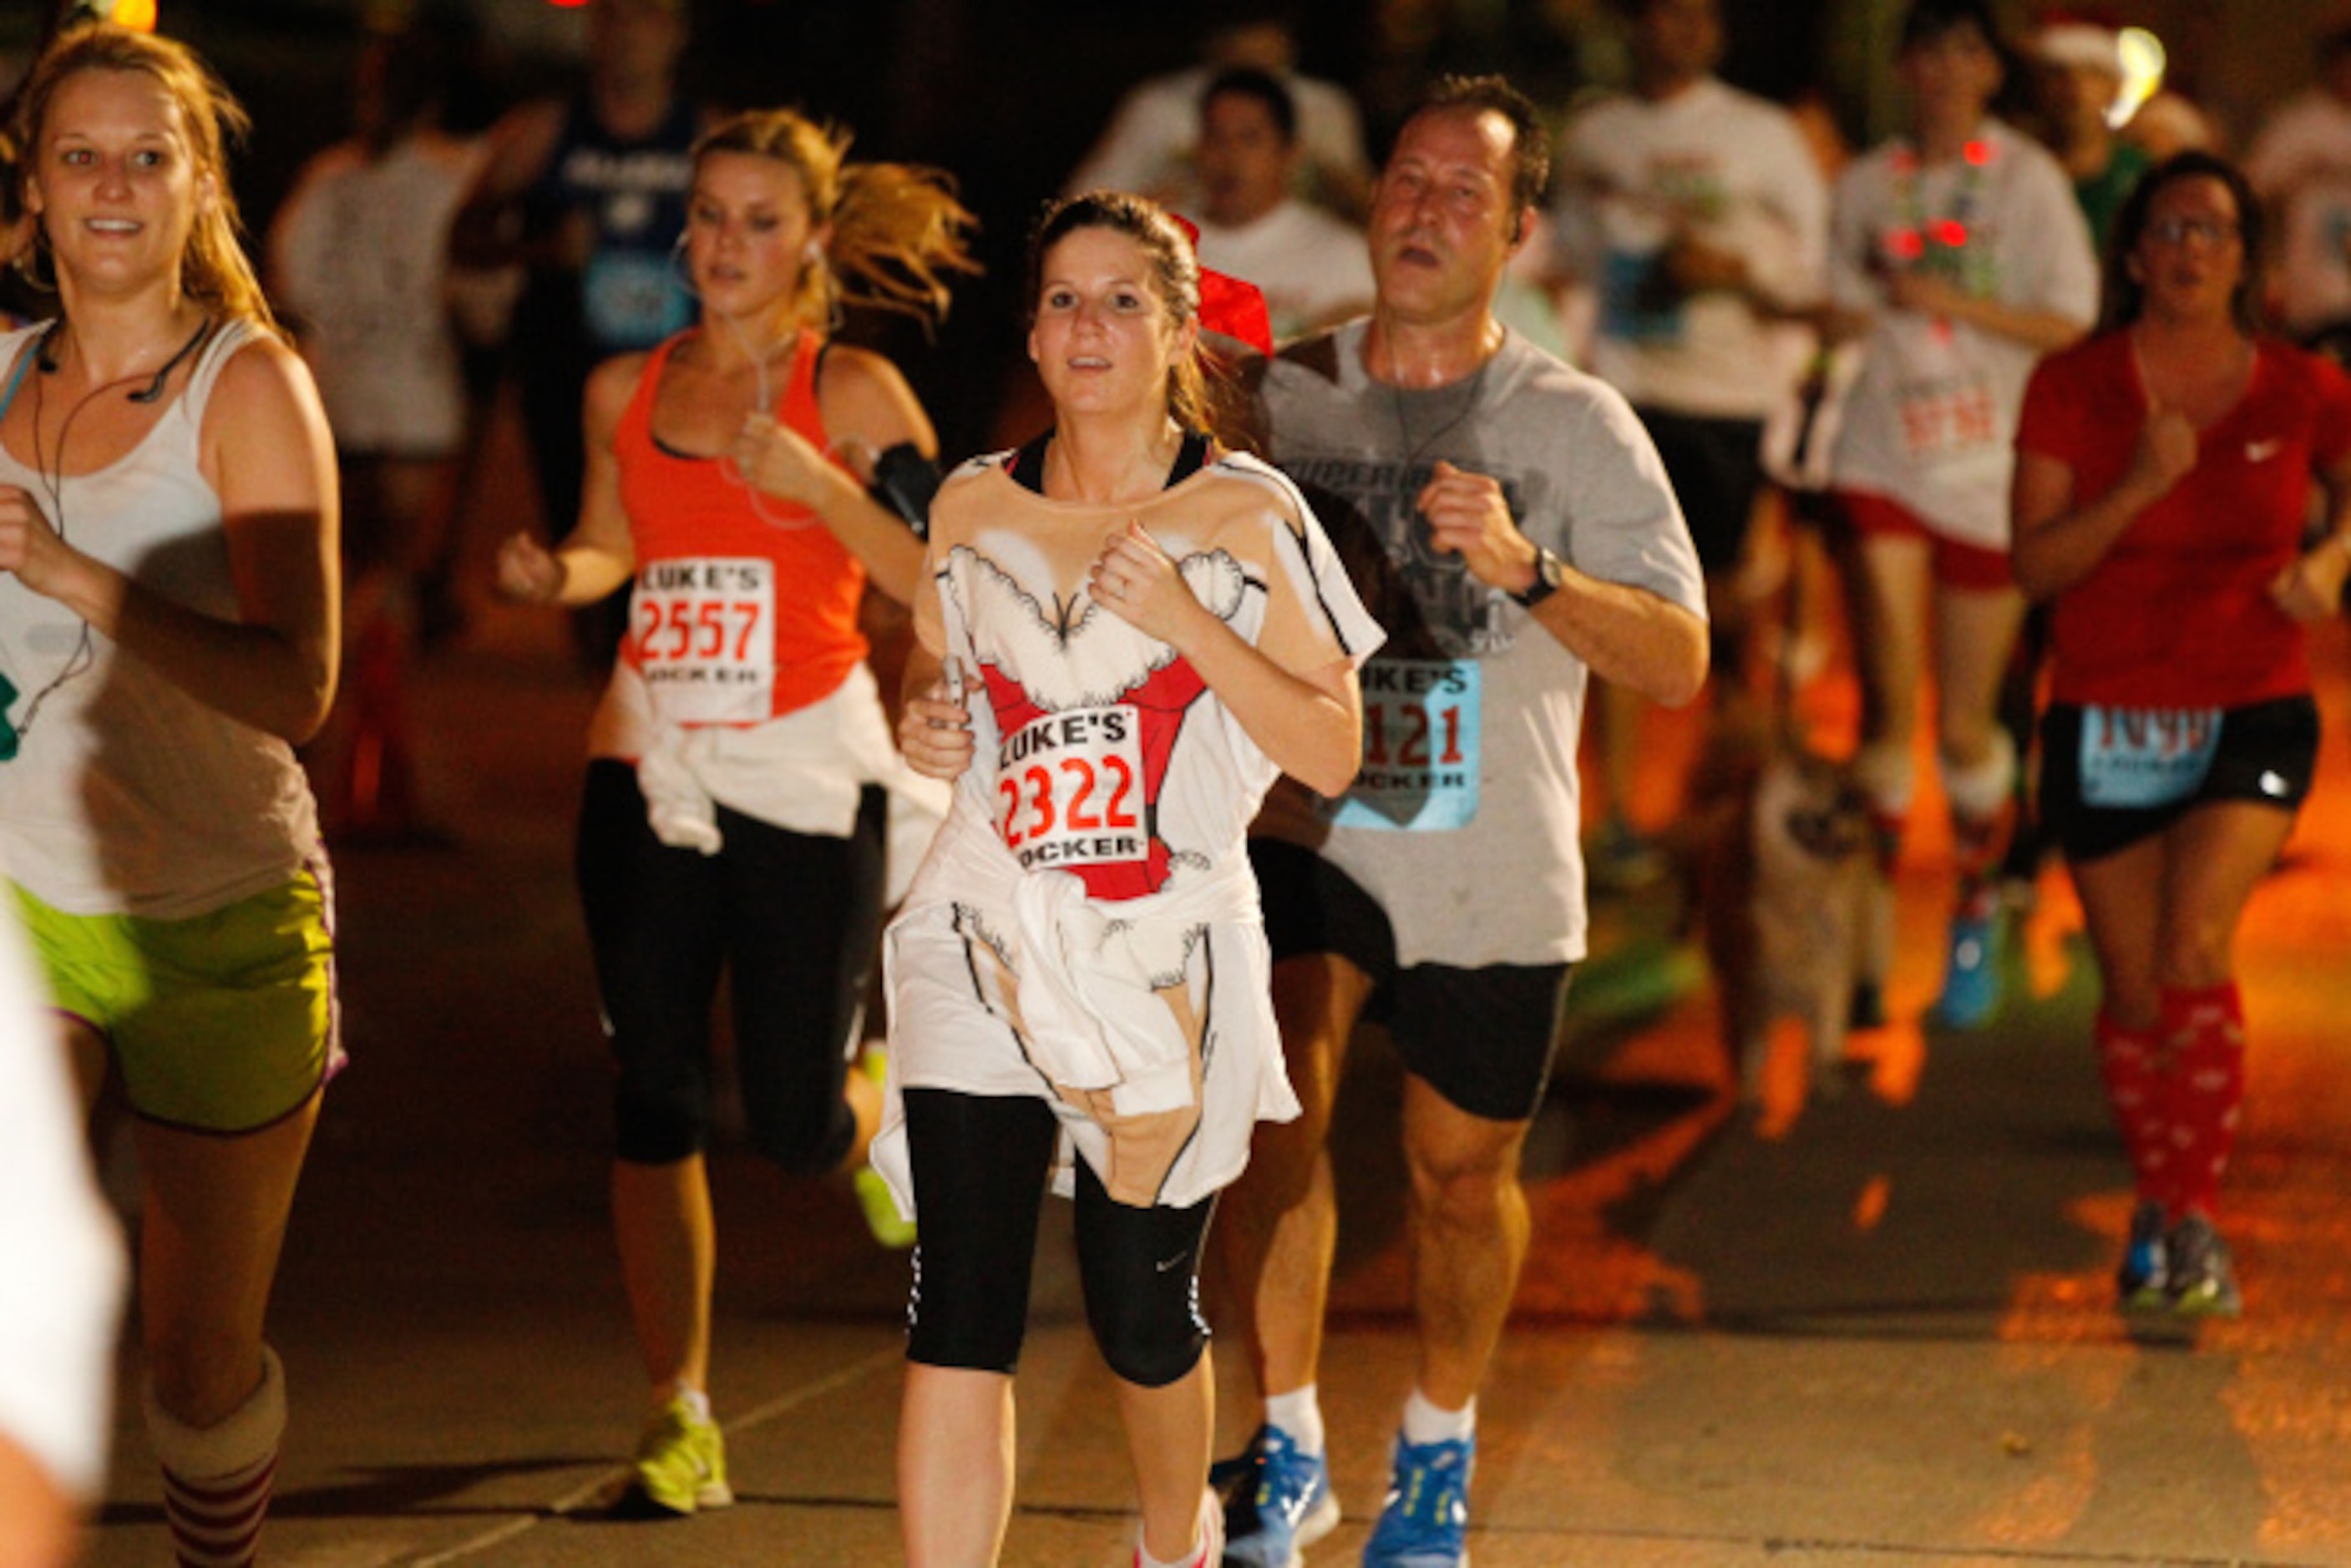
(805, 772)
(1092, 1022)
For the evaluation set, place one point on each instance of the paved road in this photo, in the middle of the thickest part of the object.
(1879, 1337)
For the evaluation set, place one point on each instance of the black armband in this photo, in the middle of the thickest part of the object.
(905, 481)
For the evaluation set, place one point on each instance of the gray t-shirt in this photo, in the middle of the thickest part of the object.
(1464, 824)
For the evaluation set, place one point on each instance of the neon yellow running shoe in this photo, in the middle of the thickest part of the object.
(882, 1217)
(681, 1463)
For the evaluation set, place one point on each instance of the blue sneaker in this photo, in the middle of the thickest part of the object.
(1424, 1523)
(1971, 981)
(1278, 1501)
(2142, 1283)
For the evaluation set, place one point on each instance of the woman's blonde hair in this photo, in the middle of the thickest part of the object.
(214, 270)
(897, 228)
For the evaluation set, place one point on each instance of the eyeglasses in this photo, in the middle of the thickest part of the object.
(2179, 231)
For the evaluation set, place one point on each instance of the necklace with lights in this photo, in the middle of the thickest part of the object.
(1938, 242)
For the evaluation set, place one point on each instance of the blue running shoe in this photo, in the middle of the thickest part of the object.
(1424, 1523)
(1971, 981)
(1278, 1502)
(2142, 1283)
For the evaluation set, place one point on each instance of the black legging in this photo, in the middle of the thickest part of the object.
(794, 917)
(980, 1166)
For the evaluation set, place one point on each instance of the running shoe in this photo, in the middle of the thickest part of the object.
(1424, 1523)
(1971, 979)
(890, 1228)
(2142, 1282)
(2202, 1279)
(681, 1463)
(1278, 1501)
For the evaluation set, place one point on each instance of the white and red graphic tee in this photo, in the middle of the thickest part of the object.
(1086, 926)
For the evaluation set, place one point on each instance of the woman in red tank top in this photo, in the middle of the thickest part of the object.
(734, 811)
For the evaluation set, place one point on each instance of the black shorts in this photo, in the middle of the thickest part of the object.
(1484, 1037)
(2266, 753)
(1716, 466)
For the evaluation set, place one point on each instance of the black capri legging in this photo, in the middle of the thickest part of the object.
(980, 1164)
(794, 920)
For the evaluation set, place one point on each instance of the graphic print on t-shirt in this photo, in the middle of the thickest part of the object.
(1089, 710)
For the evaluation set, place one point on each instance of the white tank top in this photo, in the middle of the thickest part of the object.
(128, 796)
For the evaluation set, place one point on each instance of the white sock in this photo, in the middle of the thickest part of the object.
(696, 1400)
(1425, 1423)
(1298, 1414)
(1208, 1546)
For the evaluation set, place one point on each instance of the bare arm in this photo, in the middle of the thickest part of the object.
(36, 1518)
(1310, 726)
(2057, 542)
(868, 409)
(1626, 635)
(2310, 588)
(2043, 331)
(599, 555)
(266, 454)
(486, 232)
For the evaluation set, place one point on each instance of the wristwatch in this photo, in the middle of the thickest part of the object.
(1548, 568)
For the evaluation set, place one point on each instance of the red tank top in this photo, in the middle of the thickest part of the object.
(711, 571)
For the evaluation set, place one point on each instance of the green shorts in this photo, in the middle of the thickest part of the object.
(221, 1022)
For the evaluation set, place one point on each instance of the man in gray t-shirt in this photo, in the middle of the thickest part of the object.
(1513, 527)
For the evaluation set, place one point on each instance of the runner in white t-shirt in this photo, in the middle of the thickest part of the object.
(1129, 636)
(1700, 215)
(2301, 164)
(1959, 255)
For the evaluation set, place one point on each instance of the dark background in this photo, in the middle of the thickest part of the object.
(1008, 93)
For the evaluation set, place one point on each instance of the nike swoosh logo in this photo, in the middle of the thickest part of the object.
(2262, 450)
(1174, 1260)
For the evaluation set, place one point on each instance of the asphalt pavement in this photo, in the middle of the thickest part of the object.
(1876, 1332)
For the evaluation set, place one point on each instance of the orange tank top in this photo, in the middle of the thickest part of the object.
(736, 618)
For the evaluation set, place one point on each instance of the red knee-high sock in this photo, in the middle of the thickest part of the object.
(2130, 1061)
(2204, 1030)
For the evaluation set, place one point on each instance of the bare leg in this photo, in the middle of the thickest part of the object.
(2214, 860)
(669, 1258)
(1470, 1230)
(1889, 643)
(212, 1227)
(955, 1465)
(1168, 1433)
(1278, 1226)
(1975, 631)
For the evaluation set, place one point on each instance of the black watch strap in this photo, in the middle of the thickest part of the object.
(1547, 572)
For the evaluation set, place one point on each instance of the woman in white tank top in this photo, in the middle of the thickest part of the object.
(167, 492)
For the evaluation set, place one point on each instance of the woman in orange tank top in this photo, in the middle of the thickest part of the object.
(734, 811)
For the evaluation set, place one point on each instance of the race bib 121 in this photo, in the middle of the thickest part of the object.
(1420, 746)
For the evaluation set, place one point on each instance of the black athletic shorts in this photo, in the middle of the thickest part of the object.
(1716, 466)
(2265, 752)
(1484, 1037)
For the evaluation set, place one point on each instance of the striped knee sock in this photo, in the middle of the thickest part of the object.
(216, 1479)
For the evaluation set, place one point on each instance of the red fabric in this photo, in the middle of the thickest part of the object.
(2204, 1032)
(2129, 1063)
(1231, 305)
(1162, 700)
(2177, 614)
(682, 508)
(1955, 562)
